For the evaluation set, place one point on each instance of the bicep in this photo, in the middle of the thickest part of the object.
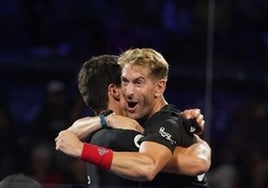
(158, 153)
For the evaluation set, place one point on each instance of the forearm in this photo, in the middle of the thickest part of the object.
(185, 162)
(133, 166)
(84, 127)
(138, 166)
(144, 165)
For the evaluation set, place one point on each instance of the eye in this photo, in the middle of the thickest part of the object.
(124, 81)
(139, 82)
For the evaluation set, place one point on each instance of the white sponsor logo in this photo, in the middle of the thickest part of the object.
(200, 177)
(192, 129)
(88, 180)
(137, 139)
(102, 151)
(166, 135)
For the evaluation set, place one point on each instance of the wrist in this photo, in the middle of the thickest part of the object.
(108, 118)
(105, 118)
(97, 155)
(103, 121)
(79, 150)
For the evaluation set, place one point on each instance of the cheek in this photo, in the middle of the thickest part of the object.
(146, 106)
(148, 99)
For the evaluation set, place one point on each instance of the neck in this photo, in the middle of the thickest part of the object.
(115, 107)
(159, 104)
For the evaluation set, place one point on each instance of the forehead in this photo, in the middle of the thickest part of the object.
(133, 71)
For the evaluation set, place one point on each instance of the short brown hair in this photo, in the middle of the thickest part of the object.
(94, 78)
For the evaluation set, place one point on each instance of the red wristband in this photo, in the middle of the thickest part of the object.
(96, 155)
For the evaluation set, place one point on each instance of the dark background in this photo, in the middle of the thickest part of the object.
(218, 63)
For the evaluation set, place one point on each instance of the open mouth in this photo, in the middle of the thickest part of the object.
(131, 105)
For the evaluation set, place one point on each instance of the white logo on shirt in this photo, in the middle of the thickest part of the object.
(166, 135)
(192, 129)
(137, 139)
(200, 177)
(88, 180)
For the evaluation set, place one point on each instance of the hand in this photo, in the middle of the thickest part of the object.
(68, 143)
(121, 122)
(194, 114)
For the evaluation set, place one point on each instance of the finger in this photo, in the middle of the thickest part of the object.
(200, 118)
(57, 146)
(191, 113)
(61, 133)
(202, 126)
(196, 112)
(57, 138)
(187, 114)
(202, 123)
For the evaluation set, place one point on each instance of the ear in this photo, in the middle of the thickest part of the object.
(114, 91)
(160, 87)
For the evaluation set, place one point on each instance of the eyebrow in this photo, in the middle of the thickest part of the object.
(138, 78)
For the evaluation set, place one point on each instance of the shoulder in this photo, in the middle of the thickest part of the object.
(169, 118)
(168, 112)
(171, 109)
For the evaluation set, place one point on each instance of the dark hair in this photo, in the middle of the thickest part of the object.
(19, 180)
(94, 78)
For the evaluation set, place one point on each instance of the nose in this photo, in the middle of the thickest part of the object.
(129, 91)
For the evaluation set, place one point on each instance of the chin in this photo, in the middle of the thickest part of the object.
(133, 116)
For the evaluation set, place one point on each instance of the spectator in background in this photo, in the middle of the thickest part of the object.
(249, 120)
(43, 168)
(8, 161)
(54, 115)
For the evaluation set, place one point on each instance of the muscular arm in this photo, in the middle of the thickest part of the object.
(191, 161)
(86, 126)
(139, 166)
(142, 166)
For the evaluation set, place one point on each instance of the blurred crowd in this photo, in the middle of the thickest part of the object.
(29, 147)
(47, 28)
(43, 43)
